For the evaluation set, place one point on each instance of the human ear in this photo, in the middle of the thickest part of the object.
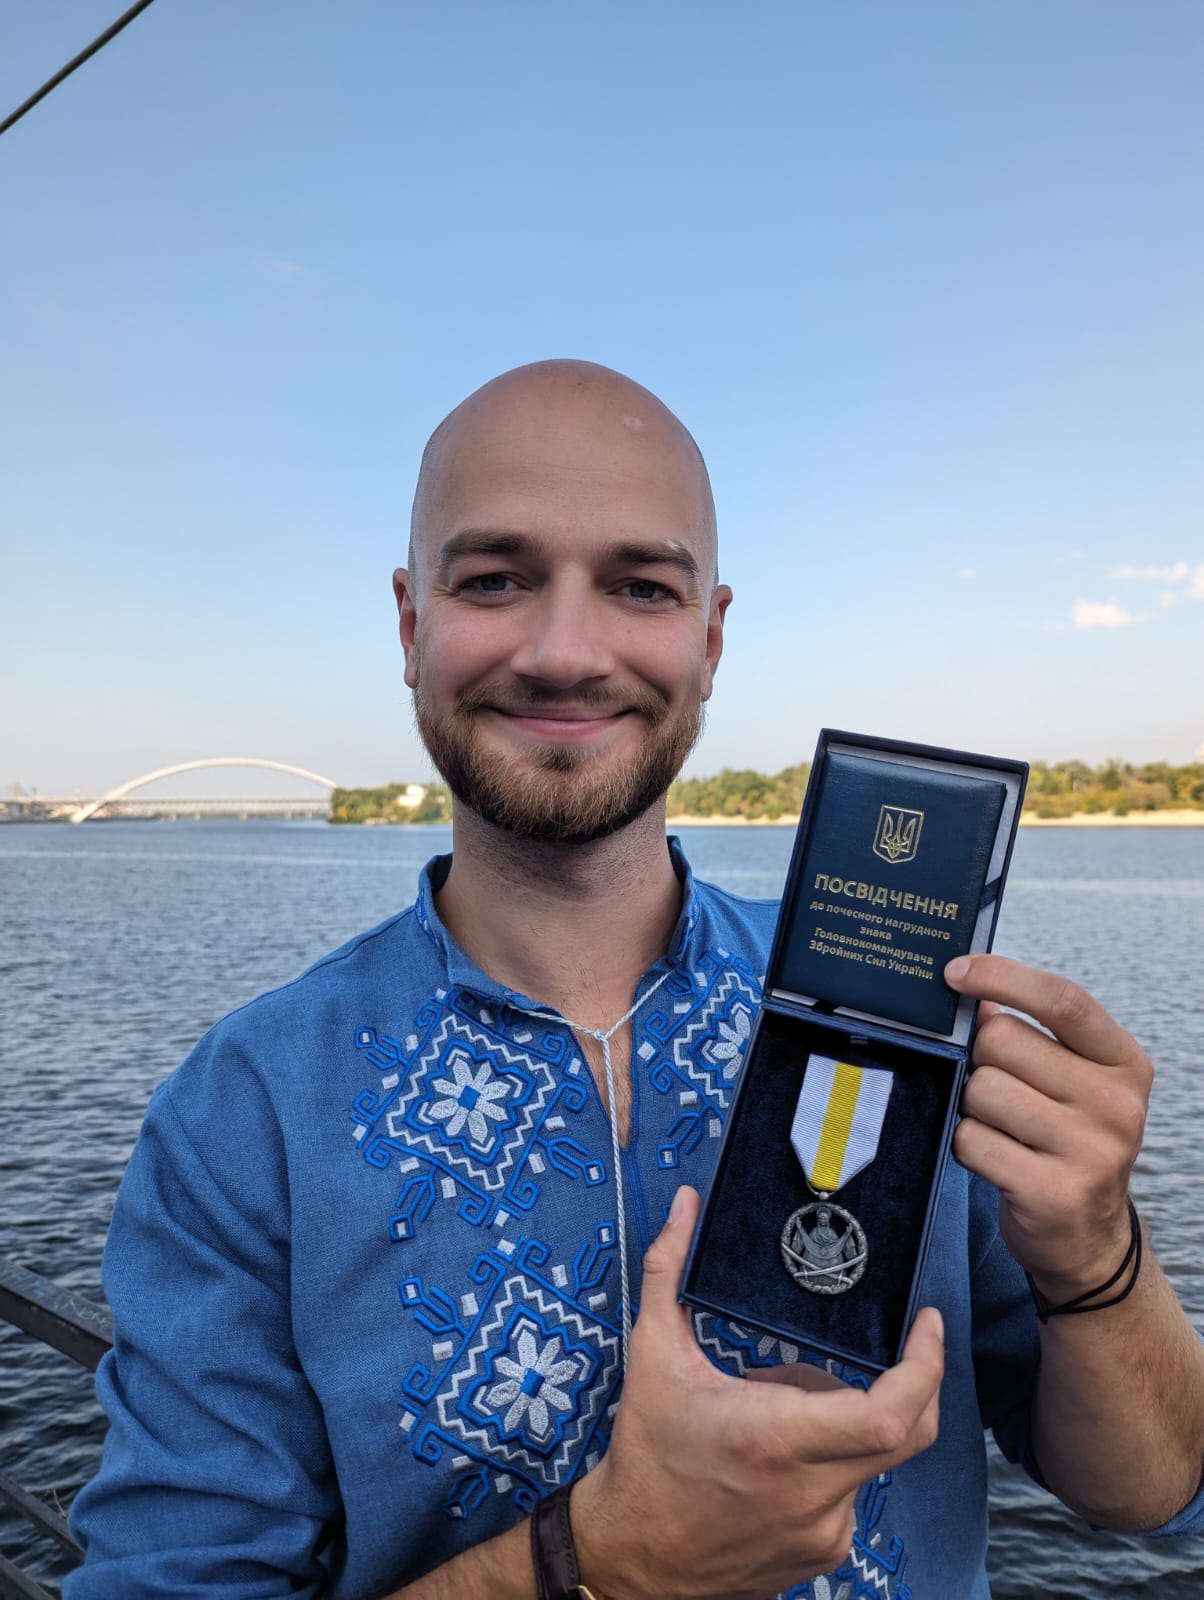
(407, 621)
(720, 600)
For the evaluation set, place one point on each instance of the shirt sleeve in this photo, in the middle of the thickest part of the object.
(216, 1478)
(1007, 1351)
(1007, 1347)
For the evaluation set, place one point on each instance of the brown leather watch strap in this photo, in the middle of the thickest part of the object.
(552, 1551)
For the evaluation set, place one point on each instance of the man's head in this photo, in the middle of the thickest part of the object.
(561, 614)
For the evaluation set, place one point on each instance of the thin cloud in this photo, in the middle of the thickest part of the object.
(1099, 614)
(1196, 587)
(278, 270)
(1173, 574)
(967, 572)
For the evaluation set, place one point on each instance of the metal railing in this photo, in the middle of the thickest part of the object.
(80, 1329)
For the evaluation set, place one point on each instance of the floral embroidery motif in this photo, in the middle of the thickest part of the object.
(727, 1048)
(530, 1387)
(470, 1097)
(512, 1345)
(461, 1110)
(706, 1053)
(532, 1382)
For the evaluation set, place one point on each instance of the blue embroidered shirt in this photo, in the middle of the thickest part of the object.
(363, 1270)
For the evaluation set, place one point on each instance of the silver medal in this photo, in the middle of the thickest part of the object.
(824, 1248)
(837, 1124)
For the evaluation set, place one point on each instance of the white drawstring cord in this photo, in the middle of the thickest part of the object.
(604, 1038)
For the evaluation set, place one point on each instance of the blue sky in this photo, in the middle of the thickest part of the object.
(924, 280)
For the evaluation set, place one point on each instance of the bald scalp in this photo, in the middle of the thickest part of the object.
(617, 424)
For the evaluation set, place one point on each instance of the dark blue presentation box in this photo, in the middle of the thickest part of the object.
(899, 865)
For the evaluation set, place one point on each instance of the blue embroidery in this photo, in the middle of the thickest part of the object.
(429, 1114)
(513, 1372)
(470, 1114)
(522, 1379)
(704, 1035)
(474, 1097)
(528, 1394)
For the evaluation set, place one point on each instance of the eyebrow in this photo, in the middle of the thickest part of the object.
(639, 553)
(480, 542)
(626, 553)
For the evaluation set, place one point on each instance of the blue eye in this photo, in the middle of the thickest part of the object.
(487, 583)
(645, 589)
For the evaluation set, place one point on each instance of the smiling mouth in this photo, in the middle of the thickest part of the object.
(544, 713)
(559, 718)
(561, 722)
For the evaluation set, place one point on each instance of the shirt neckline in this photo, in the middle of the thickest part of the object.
(463, 972)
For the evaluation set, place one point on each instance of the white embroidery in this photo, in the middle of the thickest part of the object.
(471, 1098)
(532, 1384)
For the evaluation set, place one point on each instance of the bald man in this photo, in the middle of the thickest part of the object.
(376, 1261)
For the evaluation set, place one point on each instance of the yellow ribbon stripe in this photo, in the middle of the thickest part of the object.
(838, 1120)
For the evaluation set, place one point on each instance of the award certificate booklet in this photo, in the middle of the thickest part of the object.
(890, 889)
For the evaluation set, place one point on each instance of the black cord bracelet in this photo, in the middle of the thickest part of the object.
(1075, 1307)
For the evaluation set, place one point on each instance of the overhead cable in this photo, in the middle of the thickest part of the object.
(65, 72)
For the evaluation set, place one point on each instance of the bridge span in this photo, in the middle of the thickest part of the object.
(89, 808)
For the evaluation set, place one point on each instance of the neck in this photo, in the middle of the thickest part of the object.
(574, 926)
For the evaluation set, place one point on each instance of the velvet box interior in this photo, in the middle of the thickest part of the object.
(899, 863)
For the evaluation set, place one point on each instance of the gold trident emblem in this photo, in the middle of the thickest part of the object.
(898, 835)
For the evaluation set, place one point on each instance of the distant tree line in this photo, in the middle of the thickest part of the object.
(385, 804)
(741, 794)
(1067, 787)
(1060, 789)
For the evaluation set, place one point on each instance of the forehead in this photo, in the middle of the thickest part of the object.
(572, 474)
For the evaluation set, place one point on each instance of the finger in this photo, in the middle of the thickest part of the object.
(1060, 1168)
(796, 1375)
(1023, 1051)
(664, 1263)
(891, 1421)
(1069, 1012)
(1013, 1168)
(923, 1358)
(1011, 1053)
(999, 1099)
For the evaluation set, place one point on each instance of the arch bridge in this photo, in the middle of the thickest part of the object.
(91, 807)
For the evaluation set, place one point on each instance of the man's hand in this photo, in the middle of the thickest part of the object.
(717, 1487)
(1054, 1123)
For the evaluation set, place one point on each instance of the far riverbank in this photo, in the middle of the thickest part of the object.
(1109, 819)
(1081, 819)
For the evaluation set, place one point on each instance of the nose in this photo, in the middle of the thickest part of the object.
(567, 638)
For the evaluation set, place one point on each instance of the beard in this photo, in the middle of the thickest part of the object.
(557, 793)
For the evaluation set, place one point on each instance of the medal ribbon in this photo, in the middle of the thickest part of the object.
(838, 1120)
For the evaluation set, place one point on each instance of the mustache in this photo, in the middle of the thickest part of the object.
(538, 697)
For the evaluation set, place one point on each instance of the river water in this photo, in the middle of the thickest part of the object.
(121, 942)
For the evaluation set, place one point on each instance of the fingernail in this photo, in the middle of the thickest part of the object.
(676, 1208)
(956, 970)
(940, 1323)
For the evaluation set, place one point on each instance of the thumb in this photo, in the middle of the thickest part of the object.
(665, 1262)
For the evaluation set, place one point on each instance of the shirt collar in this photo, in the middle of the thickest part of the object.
(462, 971)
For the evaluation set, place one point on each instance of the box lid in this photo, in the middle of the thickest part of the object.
(898, 866)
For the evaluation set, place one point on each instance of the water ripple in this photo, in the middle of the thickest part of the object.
(122, 942)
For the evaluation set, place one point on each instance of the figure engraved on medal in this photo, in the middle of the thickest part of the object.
(824, 1248)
